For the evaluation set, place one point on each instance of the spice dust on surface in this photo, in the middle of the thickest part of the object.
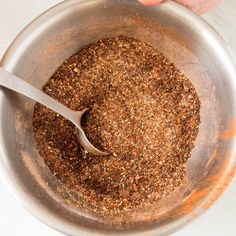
(142, 110)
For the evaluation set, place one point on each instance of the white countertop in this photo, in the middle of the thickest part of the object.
(15, 221)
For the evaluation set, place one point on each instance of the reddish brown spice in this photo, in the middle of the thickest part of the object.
(142, 109)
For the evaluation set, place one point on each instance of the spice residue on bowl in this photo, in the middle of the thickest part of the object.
(142, 109)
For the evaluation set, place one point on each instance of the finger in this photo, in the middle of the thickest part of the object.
(200, 6)
(197, 6)
(150, 2)
(207, 6)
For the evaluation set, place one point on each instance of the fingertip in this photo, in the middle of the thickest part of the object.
(150, 2)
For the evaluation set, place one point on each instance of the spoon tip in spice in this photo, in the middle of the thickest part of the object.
(84, 140)
(86, 143)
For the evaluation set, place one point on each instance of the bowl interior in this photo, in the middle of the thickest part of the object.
(171, 29)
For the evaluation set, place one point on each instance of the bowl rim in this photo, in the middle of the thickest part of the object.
(38, 210)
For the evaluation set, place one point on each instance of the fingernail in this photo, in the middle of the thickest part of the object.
(150, 2)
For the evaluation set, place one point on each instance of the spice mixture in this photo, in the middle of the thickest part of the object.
(142, 110)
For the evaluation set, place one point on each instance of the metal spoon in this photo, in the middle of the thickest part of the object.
(18, 85)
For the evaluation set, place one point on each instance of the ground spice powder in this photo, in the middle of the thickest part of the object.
(142, 109)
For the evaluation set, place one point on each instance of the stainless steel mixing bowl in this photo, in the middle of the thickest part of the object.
(189, 42)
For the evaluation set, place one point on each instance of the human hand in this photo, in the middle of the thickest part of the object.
(197, 6)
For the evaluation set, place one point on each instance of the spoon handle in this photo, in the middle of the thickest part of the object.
(18, 85)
